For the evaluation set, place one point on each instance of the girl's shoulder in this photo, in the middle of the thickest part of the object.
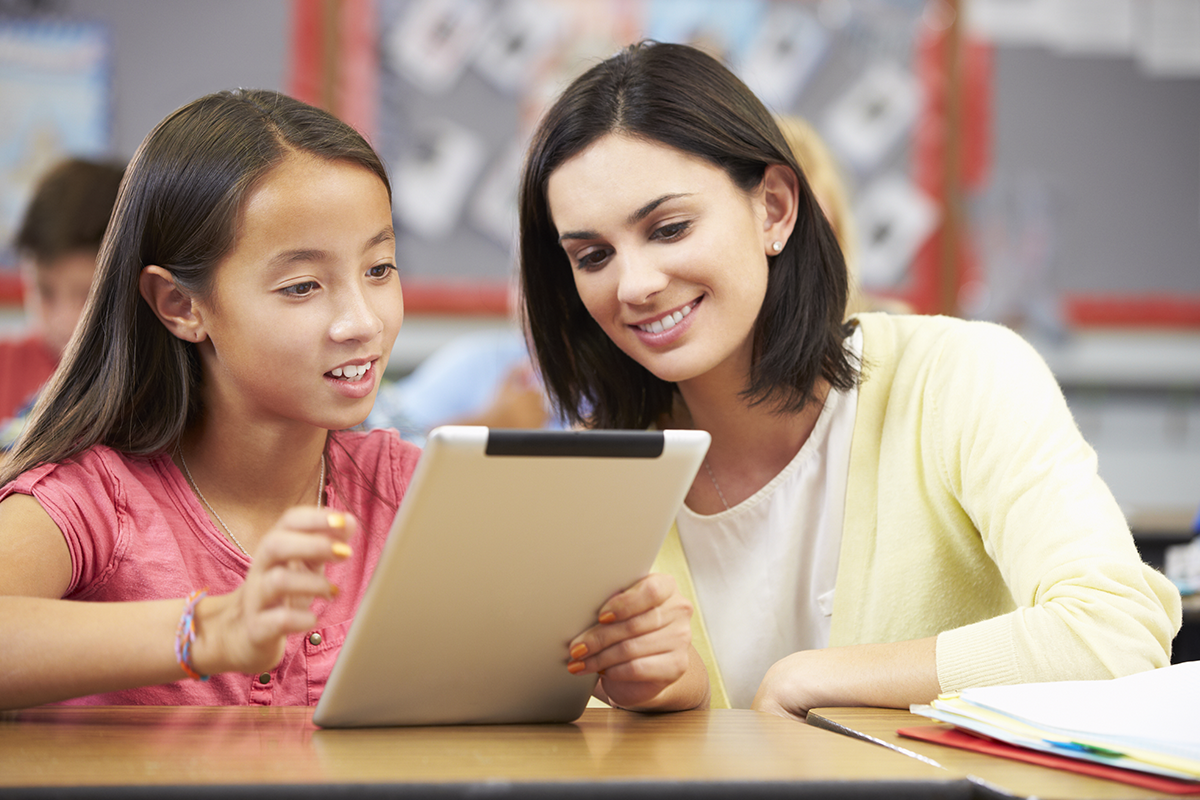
(384, 461)
(98, 468)
(379, 445)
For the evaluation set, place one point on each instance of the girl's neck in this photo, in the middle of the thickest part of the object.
(249, 478)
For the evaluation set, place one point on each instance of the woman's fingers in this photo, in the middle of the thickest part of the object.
(640, 657)
(650, 592)
(650, 605)
(643, 635)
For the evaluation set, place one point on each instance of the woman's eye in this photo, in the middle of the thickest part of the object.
(671, 231)
(381, 270)
(593, 259)
(301, 289)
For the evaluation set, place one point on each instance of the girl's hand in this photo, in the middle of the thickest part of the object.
(642, 647)
(246, 630)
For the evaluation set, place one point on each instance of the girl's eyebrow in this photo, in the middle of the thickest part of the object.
(316, 254)
(634, 218)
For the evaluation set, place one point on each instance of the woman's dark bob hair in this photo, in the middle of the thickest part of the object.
(680, 97)
(126, 381)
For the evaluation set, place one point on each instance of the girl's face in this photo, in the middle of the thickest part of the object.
(306, 307)
(669, 255)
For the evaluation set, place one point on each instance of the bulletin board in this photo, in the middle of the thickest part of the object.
(1091, 214)
(448, 91)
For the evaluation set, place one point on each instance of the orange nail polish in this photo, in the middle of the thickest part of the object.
(341, 550)
(336, 520)
(334, 591)
(608, 617)
(579, 651)
(575, 667)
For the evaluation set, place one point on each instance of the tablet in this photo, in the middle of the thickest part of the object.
(504, 548)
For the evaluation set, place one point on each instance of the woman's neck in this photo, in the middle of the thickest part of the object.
(250, 477)
(751, 444)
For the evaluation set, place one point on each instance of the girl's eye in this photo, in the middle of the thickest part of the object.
(592, 260)
(671, 231)
(300, 289)
(381, 270)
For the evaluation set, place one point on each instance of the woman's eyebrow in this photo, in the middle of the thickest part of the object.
(634, 218)
(645, 210)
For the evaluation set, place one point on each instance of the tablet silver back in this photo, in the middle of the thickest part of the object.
(504, 548)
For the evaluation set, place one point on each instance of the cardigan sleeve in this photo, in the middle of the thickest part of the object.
(1012, 457)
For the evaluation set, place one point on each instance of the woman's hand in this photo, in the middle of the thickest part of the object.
(893, 675)
(247, 629)
(642, 649)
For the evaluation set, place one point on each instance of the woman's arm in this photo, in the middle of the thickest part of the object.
(59, 649)
(642, 650)
(1014, 460)
(893, 675)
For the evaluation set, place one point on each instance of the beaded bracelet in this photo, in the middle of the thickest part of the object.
(185, 634)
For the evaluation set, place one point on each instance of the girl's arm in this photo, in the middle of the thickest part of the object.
(893, 675)
(642, 650)
(61, 649)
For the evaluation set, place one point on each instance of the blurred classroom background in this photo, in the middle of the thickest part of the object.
(1034, 162)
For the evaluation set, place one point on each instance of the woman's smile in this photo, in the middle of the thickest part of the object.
(669, 254)
(667, 329)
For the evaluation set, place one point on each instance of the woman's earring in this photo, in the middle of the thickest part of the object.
(777, 246)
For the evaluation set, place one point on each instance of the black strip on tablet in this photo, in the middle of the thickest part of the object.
(581, 444)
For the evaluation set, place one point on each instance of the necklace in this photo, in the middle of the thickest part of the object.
(217, 517)
(707, 468)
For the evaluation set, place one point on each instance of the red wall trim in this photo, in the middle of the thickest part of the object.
(1139, 310)
(455, 297)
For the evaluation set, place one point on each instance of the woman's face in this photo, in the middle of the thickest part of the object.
(306, 307)
(668, 255)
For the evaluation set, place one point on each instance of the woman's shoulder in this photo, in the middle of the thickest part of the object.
(898, 340)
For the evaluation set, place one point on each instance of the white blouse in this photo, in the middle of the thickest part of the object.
(765, 569)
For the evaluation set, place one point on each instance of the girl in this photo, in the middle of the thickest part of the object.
(245, 306)
(892, 507)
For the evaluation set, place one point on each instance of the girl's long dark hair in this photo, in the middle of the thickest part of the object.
(125, 381)
(678, 96)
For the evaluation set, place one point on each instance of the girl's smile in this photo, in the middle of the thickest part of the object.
(354, 380)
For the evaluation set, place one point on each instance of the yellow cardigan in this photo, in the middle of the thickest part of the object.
(974, 511)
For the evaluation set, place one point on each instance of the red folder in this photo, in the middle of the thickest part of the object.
(952, 737)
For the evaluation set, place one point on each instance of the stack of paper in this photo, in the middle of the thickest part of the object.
(1148, 722)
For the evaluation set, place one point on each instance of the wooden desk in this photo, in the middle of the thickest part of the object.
(277, 752)
(879, 725)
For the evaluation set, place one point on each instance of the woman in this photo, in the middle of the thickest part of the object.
(891, 507)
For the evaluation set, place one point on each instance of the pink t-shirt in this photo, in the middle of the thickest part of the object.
(137, 532)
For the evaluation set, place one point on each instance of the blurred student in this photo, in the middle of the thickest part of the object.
(57, 243)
